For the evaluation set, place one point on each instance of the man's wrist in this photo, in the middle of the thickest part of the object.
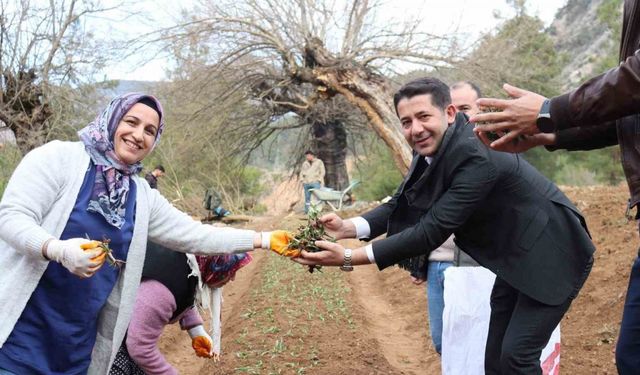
(547, 139)
(347, 265)
(361, 228)
(369, 253)
(543, 121)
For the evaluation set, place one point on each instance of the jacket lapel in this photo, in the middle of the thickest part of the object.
(412, 168)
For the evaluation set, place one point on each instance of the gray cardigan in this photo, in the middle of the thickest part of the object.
(36, 206)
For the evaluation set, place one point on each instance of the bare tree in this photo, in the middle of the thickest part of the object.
(328, 121)
(42, 47)
(311, 52)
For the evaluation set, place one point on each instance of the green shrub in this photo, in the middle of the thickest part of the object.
(259, 209)
(599, 166)
(250, 183)
(10, 156)
(378, 174)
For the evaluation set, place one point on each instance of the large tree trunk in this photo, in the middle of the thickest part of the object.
(23, 108)
(330, 141)
(368, 91)
(375, 100)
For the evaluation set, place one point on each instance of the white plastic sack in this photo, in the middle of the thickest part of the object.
(467, 291)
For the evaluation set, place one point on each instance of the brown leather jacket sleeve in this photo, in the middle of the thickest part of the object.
(586, 138)
(607, 97)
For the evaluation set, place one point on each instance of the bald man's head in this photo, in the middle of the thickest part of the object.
(464, 95)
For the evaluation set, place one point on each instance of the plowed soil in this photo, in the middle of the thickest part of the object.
(280, 319)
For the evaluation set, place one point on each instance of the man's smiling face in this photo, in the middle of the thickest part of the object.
(423, 124)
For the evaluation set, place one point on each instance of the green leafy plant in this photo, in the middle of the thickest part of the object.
(307, 235)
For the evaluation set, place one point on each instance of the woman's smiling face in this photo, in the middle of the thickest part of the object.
(136, 133)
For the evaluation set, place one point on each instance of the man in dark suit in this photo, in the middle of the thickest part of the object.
(504, 214)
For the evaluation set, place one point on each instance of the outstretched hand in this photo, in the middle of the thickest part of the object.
(520, 144)
(279, 243)
(331, 254)
(516, 118)
(336, 227)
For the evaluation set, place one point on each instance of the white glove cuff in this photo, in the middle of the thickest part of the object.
(266, 240)
(45, 247)
(197, 331)
(55, 250)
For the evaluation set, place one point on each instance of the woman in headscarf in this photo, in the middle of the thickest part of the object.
(62, 312)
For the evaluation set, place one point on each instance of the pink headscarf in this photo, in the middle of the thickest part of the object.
(218, 269)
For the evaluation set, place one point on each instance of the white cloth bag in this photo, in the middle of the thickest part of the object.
(467, 291)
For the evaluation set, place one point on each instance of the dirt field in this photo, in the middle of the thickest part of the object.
(279, 319)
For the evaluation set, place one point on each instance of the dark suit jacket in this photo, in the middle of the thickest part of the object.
(503, 212)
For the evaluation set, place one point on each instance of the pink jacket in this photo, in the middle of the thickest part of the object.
(153, 310)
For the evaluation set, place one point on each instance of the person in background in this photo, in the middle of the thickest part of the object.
(62, 311)
(464, 95)
(169, 291)
(153, 176)
(312, 176)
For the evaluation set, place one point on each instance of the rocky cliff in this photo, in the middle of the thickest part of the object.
(583, 37)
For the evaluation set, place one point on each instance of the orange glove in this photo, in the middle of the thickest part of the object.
(278, 242)
(201, 342)
(202, 346)
(68, 253)
(95, 245)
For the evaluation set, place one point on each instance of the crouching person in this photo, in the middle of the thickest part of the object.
(172, 284)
